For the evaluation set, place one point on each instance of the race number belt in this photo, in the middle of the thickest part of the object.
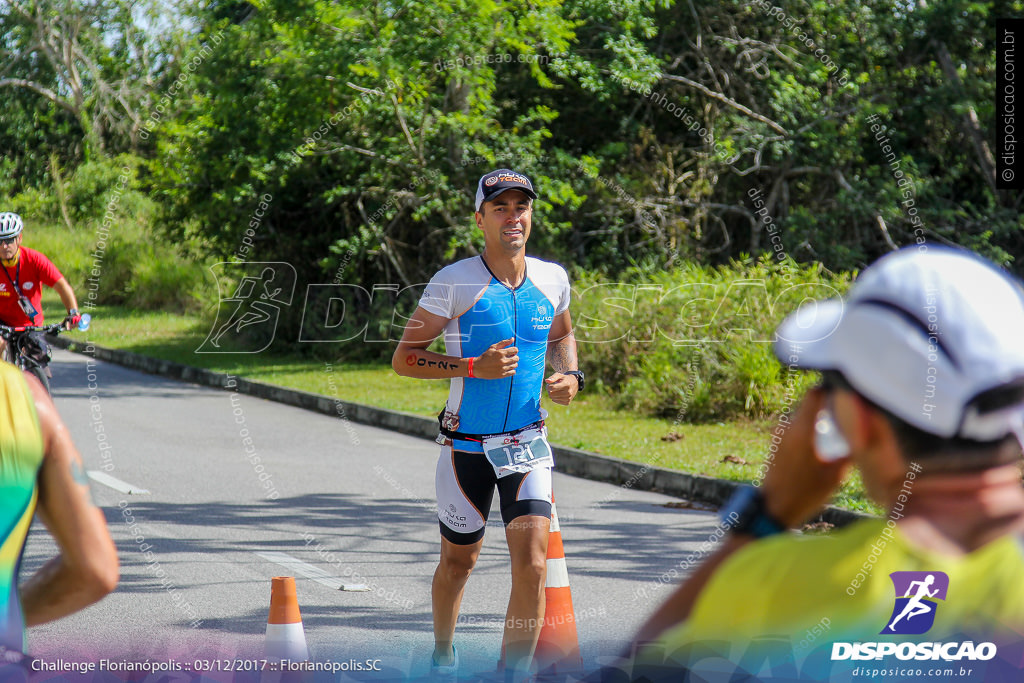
(520, 450)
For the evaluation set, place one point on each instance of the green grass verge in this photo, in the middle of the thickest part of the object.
(731, 450)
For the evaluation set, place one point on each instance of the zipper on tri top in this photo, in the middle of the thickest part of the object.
(512, 379)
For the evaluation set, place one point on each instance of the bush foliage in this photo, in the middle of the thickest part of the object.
(110, 254)
(695, 344)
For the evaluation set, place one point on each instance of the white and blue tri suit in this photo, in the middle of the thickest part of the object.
(482, 311)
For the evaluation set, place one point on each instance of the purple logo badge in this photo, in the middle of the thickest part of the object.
(917, 594)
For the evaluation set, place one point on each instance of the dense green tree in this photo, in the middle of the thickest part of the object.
(345, 138)
(776, 98)
(369, 125)
(657, 131)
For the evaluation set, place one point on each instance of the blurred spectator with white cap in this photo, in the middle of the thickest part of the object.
(923, 392)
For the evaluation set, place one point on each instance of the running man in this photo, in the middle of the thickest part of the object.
(25, 271)
(502, 314)
(916, 605)
(41, 472)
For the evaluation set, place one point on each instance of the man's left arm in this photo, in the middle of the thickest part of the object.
(561, 357)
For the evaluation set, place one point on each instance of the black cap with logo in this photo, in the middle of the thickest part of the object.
(494, 183)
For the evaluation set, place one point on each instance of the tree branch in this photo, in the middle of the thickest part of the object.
(405, 129)
(969, 121)
(879, 221)
(726, 100)
(41, 90)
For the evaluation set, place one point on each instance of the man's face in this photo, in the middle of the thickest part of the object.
(9, 247)
(506, 221)
(881, 466)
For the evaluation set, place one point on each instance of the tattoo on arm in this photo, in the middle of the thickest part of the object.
(78, 473)
(79, 476)
(411, 359)
(562, 354)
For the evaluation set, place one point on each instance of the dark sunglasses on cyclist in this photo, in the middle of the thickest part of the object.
(8, 241)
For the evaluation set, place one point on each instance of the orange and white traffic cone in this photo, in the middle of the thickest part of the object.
(558, 647)
(285, 637)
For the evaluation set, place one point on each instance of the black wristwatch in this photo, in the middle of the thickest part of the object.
(578, 374)
(746, 513)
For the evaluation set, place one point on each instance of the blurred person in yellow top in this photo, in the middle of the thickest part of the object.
(923, 392)
(41, 473)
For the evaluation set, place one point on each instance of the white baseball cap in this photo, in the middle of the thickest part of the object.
(921, 333)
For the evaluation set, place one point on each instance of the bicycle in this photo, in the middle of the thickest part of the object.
(28, 352)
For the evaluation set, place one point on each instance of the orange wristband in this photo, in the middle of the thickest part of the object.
(471, 366)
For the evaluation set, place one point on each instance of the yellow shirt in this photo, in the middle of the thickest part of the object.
(789, 598)
(21, 455)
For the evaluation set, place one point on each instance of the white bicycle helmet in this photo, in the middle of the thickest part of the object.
(10, 225)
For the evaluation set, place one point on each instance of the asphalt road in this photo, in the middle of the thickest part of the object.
(239, 488)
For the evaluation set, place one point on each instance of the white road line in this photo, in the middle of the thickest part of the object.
(310, 572)
(116, 484)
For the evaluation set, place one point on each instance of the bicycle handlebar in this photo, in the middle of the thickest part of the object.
(54, 328)
(48, 329)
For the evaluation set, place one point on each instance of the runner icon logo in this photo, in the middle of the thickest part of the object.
(247, 317)
(913, 613)
(917, 594)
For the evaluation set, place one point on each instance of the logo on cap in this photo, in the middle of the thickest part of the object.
(511, 178)
(494, 183)
(916, 596)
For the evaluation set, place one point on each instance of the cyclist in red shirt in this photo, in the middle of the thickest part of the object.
(24, 272)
